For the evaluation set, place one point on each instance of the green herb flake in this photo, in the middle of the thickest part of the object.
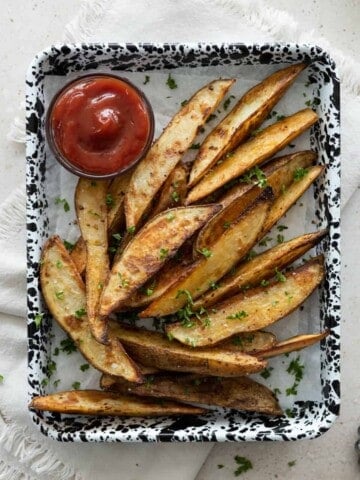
(163, 253)
(244, 465)
(226, 225)
(280, 277)
(277, 391)
(175, 196)
(170, 82)
(292, 463)
(44, 382)
(123, 282)
(59, 295)
(170, 217)
(56, 352)
(68, 245)
(227, 103)
(59, 264)
(195, 146)
(56, 382)
(117, 236)
(265, 241)
(266, 373)
(93, 183)
(76, 385)
(291, 390)
(300, 173)
(281, 228)
(296, 368)
(147, 80)
(51, 368)
(264, 283)
(308, 103)
(80, 313)
(131, 230)
(289, 413)
(184, 102)
(38, 319)
(213, 285)
(280, 238)
(237, 315)
(84, 367)
(109, 200)
(100, 286)
(205, 251)
(1, 378)
(170, 336)
(250, 255)
(149, 380)
(63, 202)
(255, 176)
(67, 346)
(211, 117)
(220, 466)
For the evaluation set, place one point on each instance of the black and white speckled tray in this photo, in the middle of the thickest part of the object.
(310, 418)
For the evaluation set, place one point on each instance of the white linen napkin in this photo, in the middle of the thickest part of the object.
(24, 453)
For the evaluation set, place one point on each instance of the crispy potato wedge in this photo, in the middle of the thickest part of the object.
(279, 175)
(241, 393)
(290, 196)
(292, 344)
(166, 152)
(253, 152)
(145, 254)
(196, 279)
(115, 196)
(247, 115)
(64, 293)
(261, 267)
(96, 402)
(155, 350)
(78, 255)
(255, 309)
(173, 192)
(249, 342)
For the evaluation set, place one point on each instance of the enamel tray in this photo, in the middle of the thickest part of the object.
(309, 417)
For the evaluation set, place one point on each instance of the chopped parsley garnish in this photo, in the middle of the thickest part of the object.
(265, 241)
(149, 380)
(56, 352)
(51, 368)
(59, 264)
(59, 295)
(147, 80)
(251, 255)
(256, 132)
(170, 336)
(213, 285)
(67, 346)
(280, 238)
(264, 283)
(80, 313)
(226, 225)
(237, 315)
(109, 200)
(183, 103)
(220, 465)
(170, 217)
(300, 173)
(277, 391)
(1, 378)
(292, 463)
(210, 118)
(163, 253)
(84, 367)
(205, 251)
(266, 373)
(123, 282)
(38, 319)
(289, 413)
(280, 277)
(44, 382)
(63, 202)
(175, 196)
(131, 230)
(100, 286)
(255, 176)
(282, 227)
(244, 465)
(195, 146)
(68, 245)
(186, 315)
(296, 368)
(117, 236)
(292, 390)
(227, 102)
(76, 385)
(170, 82)
(56, 382)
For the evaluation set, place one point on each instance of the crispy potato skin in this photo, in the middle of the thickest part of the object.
(247, 115)
(155, 350)
(241, 393)
(166, 152)
(236, 241)
(96, 402)
(173, 192)
(78, 255)
(261, 267)
(147, 252)
(254, 309)
(293, 344)
(64, 293)
(253, 152)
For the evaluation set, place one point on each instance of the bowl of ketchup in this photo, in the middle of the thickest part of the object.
(99, 125)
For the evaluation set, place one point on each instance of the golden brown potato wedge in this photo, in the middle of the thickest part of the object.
(292, 344)
(278, 173)
(241, 393)
(115, 201)
(249, 342)
(64, 293)
(155, 350)
(247, 115)
(78, 255)
(253, 152)
(166, 152)
(149, 249)
(260, 268)
(91, 211)
(254, 309)
(96, 402)
(282, 203)
(233, 244)
(173, 192)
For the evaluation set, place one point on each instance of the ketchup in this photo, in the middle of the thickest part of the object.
(101, 124)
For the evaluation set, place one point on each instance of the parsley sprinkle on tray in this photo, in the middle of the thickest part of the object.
(170, 82)
(243, 465)
(63, 202)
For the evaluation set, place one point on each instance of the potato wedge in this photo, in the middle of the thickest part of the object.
(64, 293)
(166, 152)
(155, 350)
(282, 203)
(247, 115)
(96, 402)
(115, 201)
(279, 174)
(253, 152)
(249, 342)
(292, 344)
(145, 254)
(91, 211)
(78, 255)
(196, 279)
(173, 192)
(255, 309)
(241, 393)
(261, 267)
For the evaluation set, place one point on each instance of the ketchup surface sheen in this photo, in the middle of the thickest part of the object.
(100, 124)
